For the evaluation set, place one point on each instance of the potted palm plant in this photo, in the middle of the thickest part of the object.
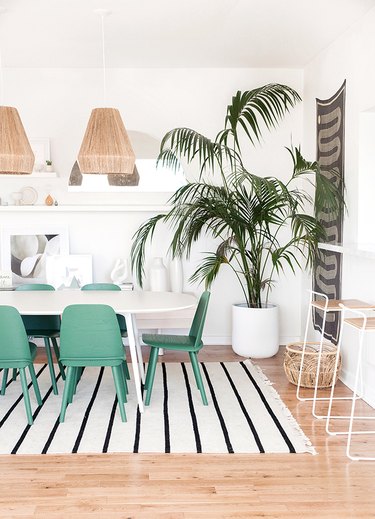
(261, 224)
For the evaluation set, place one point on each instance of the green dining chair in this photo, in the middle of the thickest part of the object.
(18, 353)
(120, 318)
(90, 336)
(46, 327)
(190, 343)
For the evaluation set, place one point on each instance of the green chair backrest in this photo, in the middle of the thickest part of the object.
(90, 333)
(197, 325)
(107, 286)
(39, 322)
(100, 286)
(14, 344)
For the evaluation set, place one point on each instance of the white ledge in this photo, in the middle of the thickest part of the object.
(364, 250)
(85, 208)
(34, 174)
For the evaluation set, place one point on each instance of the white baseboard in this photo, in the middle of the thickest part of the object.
(369, 392)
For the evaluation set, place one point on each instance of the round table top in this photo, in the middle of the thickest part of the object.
(40, 302)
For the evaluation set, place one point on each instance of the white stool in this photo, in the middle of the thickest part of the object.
(362, 324)
(325, 305)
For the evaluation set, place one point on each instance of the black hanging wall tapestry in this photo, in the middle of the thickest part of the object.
(330, 155)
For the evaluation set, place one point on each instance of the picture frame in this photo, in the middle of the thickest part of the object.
(24, 250)
(42, 152)
(69, 271)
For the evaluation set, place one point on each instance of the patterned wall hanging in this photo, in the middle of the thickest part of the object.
(330, 155)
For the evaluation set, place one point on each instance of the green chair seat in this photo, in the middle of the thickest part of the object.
(171, 342)
(191, 343)
(17, 352)
(45, 327)
(90, 336)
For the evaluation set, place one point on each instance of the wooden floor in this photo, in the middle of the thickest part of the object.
(327, 485)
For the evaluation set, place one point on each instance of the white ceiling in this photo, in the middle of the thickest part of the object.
(173, 33)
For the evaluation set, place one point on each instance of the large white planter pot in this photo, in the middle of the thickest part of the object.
(255, 331)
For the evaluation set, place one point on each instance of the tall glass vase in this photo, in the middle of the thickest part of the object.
(158, 276)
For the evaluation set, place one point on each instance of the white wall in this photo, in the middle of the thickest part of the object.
(351, 58)
(56, 103)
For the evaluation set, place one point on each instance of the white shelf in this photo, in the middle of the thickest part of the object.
(126, 208)
(364, 250)
(34, 174)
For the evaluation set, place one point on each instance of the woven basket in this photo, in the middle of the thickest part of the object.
(292, 364)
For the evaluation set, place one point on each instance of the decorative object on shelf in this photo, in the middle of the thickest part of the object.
(176, 274)
(49, 167)
(106, 148)
(24, 251)
(69, 271)
(120, 179)
(48, 200)
(158, 275)
(5, 280)
(292, 364)
(17, 197)
(120, 271)
(29, 195)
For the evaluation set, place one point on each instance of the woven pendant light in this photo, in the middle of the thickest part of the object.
(106, 147)
(16, 155)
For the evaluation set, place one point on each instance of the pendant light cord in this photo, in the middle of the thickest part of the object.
(1, 81)
(103, 62)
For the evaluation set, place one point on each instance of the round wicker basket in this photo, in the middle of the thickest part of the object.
(292, 364)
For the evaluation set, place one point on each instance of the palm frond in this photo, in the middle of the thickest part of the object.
(268, 103)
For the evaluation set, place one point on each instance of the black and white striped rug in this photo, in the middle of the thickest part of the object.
(244, 415)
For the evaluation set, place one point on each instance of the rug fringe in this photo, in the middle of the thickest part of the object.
(309, 446)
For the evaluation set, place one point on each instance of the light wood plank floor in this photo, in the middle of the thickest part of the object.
(129, 486)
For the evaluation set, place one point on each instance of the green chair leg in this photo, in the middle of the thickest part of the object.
(120, 389)
(123, 384)
(197, 374)
(5, 379)
(149, 382)
(126, 370)
(73, 385)
(35, 384)
(26, 396)
(50, 365)
(57, 353)
(14, 374)
(67, 388)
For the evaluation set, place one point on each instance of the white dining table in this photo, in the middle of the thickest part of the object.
(127, 303)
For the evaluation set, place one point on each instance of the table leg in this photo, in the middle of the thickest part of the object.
(139, 349)
(134, 359)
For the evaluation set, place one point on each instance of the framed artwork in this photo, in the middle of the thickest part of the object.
(69, 271)
(41, 149)
(24, 251)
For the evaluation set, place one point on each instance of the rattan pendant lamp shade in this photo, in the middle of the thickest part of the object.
(106, 148)
(16, 155)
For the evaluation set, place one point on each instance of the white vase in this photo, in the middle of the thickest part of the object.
(255, 331)
(176, 275)
(158, 275)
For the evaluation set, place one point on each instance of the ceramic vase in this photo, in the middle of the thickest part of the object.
(158, 276)
(176, 275)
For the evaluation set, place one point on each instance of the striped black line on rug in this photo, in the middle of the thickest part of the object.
(244, 415)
